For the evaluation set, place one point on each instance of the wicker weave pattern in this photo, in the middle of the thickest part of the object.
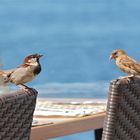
(123, 110)
(16, 112)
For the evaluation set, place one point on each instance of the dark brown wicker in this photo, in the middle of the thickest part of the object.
(122, 121)
(16, 112)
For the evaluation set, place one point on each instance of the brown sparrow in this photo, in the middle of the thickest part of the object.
(23, 73)
(126, 63)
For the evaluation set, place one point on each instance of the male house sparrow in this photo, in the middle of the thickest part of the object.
(23, 73)
(125, 63)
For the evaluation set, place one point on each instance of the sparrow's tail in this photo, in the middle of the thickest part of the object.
(3, 82)
(1, 72)
(4, 76)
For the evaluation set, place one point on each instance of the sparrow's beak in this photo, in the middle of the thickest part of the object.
(111, 57)
(39, 55)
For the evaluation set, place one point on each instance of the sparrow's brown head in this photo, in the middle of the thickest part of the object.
(116, 53)
(32, 58)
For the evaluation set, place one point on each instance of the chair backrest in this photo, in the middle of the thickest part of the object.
(122, 120)
(16, 113)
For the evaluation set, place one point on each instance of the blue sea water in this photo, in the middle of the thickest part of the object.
(88, 135)
(75, 37)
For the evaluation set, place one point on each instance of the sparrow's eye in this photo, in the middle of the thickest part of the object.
(115, 53)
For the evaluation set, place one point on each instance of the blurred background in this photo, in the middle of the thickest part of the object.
(76, 38)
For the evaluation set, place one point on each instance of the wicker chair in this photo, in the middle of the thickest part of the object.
(16, 112)
(122, 120)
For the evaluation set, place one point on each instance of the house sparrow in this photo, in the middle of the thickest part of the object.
(23, 73)
(126, 63)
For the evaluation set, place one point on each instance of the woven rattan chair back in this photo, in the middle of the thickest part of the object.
(122, 120)
(16, 112)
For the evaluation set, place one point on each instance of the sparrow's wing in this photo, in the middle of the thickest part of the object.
(22, 75)
(130, 65)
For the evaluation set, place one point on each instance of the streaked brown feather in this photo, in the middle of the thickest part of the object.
(126, 63)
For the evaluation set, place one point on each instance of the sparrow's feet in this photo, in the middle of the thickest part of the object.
(128, 77)
(25, 88)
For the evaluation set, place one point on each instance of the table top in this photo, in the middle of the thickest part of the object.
(59, 117)
(68, 126)
(51, 111)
